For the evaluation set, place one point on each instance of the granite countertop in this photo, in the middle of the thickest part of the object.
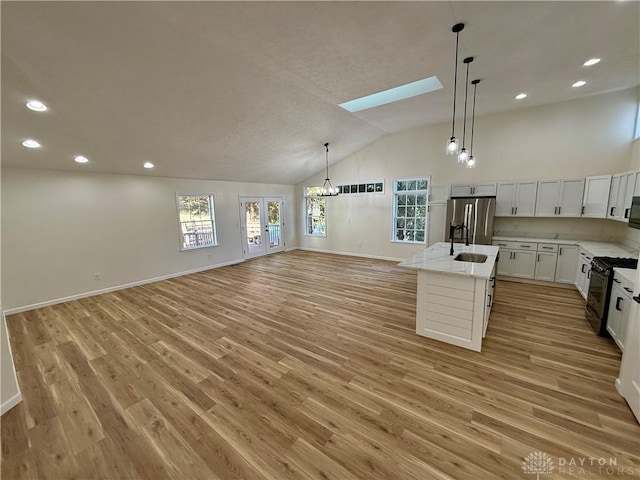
(436, 258)
(596, 249)
(627, 273)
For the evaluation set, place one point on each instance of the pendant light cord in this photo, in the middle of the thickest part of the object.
(473, 113)
(326, 145)
(466, 90)
(455, 88)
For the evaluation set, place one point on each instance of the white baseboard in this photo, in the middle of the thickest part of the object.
(352, 254)
(10, 403)
(92, 293)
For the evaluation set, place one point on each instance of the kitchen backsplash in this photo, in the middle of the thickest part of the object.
(594, 229)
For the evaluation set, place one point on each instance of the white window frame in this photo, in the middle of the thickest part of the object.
(394, 218)
(306, 209)
(212, 204)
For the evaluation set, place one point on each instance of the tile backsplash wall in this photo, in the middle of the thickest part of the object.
(594, 229)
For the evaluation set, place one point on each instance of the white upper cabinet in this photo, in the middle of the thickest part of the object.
(623, 186)
(613, 210)
(560, 198)
(478, 190)
(571, 194)
(596, 196)
(549, 198)
(516, 199)
(632, 186)
(504, 199)
(438, 194)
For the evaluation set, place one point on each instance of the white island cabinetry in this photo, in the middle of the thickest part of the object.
(454, 297)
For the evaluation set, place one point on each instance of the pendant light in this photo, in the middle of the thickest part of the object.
(463, 156)
(453, 144)
(327, 189)
(471, 163)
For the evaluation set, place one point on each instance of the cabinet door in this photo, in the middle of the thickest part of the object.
(632, 179)
(612, 210)
(567, 264)
(524, 264)
(616, 321)
(438, 194)
(636, 192)
(504, 199)
(596, 196)
(571, 194)
(525, 199)
(484, 190)
(461, 190)
(548, 198)
(581, 277)
(436, 218)
(505, 263)
(546, 266)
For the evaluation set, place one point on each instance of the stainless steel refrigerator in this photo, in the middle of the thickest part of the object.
(476, 213)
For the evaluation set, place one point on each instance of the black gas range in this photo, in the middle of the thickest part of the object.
(601, 280)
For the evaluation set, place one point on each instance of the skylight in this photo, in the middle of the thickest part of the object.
(395, 94)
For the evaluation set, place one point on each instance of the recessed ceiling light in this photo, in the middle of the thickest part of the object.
(394, 94)
(579, 83)
(36, 106)
(520, 96)
(147, 165)
(30, 143)
(591, 61)
(81, 159)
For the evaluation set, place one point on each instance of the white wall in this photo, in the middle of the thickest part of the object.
(589, 136)
(60, 228)
(9, 390)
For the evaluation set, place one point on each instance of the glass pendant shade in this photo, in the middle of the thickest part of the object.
(453, 146)
(471, 163)
(463, 156)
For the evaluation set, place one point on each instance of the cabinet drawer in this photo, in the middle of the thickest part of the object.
(547, 247)
(515, 245)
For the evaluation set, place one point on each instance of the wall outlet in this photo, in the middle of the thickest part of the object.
(359, 245)
(209, 256)
(96, 276)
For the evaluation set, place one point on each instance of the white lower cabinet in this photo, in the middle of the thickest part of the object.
(566, 265)
(546, 266)
(516, 263)
(583, 273)
(618, 317)
(524, 264)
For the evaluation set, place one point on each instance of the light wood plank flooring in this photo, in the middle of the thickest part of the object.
(306, 365)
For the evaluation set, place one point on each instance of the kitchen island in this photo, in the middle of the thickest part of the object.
(455, 292)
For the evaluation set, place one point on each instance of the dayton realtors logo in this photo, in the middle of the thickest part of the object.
(541, 463)
(537, 463)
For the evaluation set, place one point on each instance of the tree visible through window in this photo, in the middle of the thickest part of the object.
(197, 221)
(315, 212)
(410, 210)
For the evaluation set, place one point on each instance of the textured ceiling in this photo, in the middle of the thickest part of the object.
(249, 91)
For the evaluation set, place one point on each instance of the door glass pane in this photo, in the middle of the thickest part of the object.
(273, 211)
(254, 231)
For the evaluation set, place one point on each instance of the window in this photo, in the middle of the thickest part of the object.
(315, 212)
(410, 210)
(197, 221)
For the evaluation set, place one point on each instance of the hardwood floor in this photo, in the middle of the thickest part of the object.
(306, 365)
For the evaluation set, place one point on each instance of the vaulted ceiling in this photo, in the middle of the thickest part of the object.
(249, 91)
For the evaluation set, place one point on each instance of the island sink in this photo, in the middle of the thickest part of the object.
(471, 257)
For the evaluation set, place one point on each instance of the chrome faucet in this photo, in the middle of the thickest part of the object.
(452, 230)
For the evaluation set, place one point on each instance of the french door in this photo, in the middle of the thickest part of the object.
(262, 231)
